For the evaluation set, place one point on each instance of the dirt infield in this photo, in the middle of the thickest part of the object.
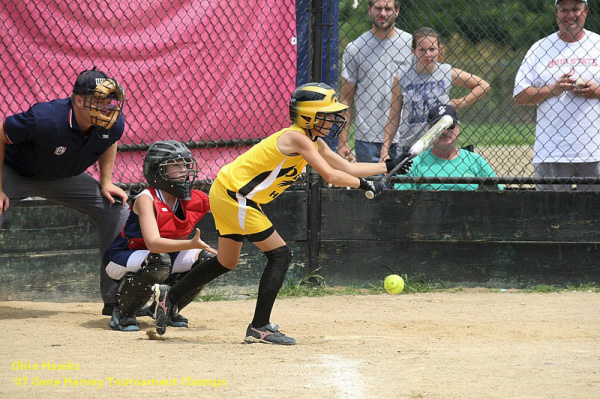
(472, 344)
(513, 161)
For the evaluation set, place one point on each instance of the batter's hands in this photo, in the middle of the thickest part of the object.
(4, 202)
(369, 185)
(392, 163)
(109, 191)
(198, 243)
(383, 154)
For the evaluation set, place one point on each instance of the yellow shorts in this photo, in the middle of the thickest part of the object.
(235, 214)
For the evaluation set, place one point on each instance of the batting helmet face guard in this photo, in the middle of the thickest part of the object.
(171, 167)
(315, 106)
(103, 96)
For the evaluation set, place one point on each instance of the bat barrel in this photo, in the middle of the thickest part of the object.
(444, 123)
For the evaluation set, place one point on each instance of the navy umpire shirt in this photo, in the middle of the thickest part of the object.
(46, 143)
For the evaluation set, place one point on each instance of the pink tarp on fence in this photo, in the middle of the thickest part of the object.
(192, 70)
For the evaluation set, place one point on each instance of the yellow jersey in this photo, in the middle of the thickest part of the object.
(263, 172)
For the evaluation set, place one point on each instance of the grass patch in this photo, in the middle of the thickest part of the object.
(544, 289)
(313, 285)
(498, 134)
(418, 283)
(214, 295)
(487, 134)
(584, 288)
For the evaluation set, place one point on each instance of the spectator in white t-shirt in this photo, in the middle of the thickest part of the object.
(560, 75)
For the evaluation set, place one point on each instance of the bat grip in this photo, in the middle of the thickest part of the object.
(391, 173)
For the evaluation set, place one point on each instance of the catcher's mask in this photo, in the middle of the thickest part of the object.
(170, 166)
(103, 96)
(315, 106)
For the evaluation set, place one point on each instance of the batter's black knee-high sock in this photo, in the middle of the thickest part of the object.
(264, 306)
(270, 284)
(200, 275)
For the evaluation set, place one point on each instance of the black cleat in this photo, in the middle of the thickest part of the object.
(268, 334)
(163, 307)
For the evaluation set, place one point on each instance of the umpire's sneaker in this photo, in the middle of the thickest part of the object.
(177, 319)
(144, 311)
(268, 334)
(163, 307)
(108, 308)
(121, 323)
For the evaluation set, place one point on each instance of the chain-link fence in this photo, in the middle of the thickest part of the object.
(215, 75)
(218, 75)
(488, 40)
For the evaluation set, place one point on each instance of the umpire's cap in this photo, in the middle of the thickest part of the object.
(87, 81)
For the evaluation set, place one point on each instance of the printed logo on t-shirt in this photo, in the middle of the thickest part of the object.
(572, 61)
(60, 150)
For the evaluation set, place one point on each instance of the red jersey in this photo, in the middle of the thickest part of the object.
(169, 225)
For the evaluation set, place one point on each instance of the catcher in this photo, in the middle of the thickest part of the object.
(154, 246)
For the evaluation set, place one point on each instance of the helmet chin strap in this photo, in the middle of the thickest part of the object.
(310, 134)
(314, 138)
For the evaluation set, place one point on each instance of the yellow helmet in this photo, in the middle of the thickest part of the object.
(313, 104)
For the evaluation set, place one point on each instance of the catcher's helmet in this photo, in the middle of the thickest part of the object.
(164, 153)
(313, 104)
(103, 96)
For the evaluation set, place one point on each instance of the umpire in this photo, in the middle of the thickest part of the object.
(46, 150)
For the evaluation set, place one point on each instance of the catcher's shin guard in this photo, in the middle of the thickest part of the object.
(135, 288)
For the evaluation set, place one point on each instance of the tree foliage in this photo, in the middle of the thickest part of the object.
(488, 38)
(514, 23)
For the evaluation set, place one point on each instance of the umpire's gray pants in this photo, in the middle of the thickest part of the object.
(81, 192)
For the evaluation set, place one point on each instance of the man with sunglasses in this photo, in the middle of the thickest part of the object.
(445, 159)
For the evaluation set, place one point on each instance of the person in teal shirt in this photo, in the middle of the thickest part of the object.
(445, 159)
